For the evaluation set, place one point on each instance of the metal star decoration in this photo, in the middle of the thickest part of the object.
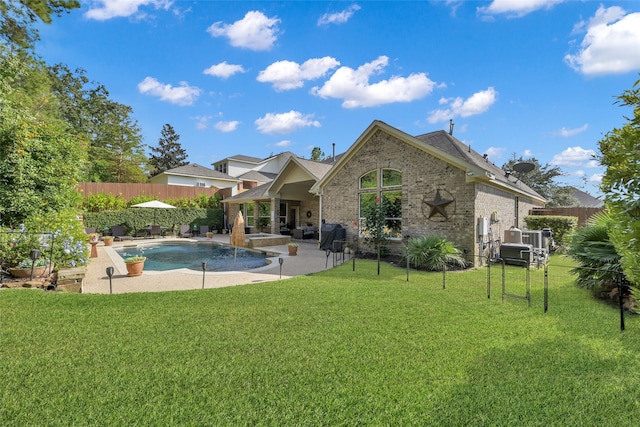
(438, 205)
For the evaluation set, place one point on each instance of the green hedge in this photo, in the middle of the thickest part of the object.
(137, 218)
(562, 226)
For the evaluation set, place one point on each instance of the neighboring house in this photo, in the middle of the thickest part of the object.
(584, 207)
(283, 203)
(436, 185)
(194, 175)
(238, 165)
(585, 200)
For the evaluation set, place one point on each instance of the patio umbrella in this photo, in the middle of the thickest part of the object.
(238, 236)
(154, 204)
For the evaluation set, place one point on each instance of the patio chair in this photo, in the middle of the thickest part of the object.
(118, 233)
(90, 230)
(204, 229)
(155, 231)
(185, 231)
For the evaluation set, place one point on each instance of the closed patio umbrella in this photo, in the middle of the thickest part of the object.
(154, 204)
(238, 236)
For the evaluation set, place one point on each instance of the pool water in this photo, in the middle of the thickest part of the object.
(171, 256)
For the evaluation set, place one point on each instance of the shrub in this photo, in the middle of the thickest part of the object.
(561, 225)
(433, 253)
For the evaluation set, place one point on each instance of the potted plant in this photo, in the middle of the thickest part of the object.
(135, 265)
(93, 237)
(293, 249)
(108, 240)
(41, 266)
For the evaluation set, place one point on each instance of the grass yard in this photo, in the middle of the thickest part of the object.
(336, 348)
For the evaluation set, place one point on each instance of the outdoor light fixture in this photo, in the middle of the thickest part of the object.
(280, 261)
(204, 269)
(110, 275)
(34, 255)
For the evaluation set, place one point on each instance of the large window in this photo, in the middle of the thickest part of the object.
(385, 187)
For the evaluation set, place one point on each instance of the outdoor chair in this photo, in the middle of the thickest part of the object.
(155, 231)
(185, 231)
(204, 229)
(91, 230)
(119, 234)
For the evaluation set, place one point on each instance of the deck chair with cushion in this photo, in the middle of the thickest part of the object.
(185, 231)
(118, 233)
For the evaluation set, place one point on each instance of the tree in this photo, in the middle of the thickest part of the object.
(620, 154)
(41, 159)
(169, 153)
(542, 180)
(17, 19)
(317, 154)
(115, 146)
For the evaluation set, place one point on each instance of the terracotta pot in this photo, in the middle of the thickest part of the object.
(293, 250)
(134, 268)
(108, 242)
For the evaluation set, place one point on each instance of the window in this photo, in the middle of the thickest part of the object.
(201, 184)
(264, 214)
(389, 193)
(247, 212)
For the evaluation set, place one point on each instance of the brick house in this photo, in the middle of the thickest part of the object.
(436, 184)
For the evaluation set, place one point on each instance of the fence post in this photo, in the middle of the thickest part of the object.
(488, 277)
(546, 287)
(619, 280)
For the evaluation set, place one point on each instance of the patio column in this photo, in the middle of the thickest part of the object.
(256, 215)
(275, 216)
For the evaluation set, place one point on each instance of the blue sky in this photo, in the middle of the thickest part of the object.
(526, 78)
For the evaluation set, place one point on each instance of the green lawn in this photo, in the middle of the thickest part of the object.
(335, 348)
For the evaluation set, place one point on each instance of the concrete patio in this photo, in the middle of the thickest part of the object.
(310, 259)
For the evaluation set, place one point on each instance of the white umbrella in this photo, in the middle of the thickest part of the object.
(154, 204)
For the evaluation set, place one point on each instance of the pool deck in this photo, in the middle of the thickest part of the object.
(310, 259)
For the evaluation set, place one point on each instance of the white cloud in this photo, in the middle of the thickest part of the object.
(285, 122)
(516, 8)
(202, 122)
(227, 126)
(101, 10)
(353, 86)
(527, 153)
(285, 75)
(339, 17)
(478, 103)
(255, 31)
(573, 156)
(596, 177)
(224, 70)
(570, 132)
(181, 95)
(284, 143)
(494, 152)
(611, 43)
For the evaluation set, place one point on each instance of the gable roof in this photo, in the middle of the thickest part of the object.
(197, 171)
(243, 158)
(585, 200)
(258, 176)
(444, 147)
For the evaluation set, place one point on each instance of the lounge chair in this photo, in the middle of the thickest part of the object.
(118, 233)
(204, 229)
(185, 231)
(90, 230)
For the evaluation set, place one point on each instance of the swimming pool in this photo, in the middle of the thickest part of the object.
(174, 255)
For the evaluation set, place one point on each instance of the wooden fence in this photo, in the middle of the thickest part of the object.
(583, 214)
(130, 190)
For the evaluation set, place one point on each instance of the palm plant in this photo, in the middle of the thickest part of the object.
(591, 248)
(433, 253)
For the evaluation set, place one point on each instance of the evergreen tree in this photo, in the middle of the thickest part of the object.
(168, 154)
(317, 154)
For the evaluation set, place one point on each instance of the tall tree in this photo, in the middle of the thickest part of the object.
(169, 153)
(317, 154)
(542, 179)
(17, 19)
(41, 158)
(116, 152)
(620, 154)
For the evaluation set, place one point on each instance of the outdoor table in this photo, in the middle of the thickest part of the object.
(94, 250)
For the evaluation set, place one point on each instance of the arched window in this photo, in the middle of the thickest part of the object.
(385, 187)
